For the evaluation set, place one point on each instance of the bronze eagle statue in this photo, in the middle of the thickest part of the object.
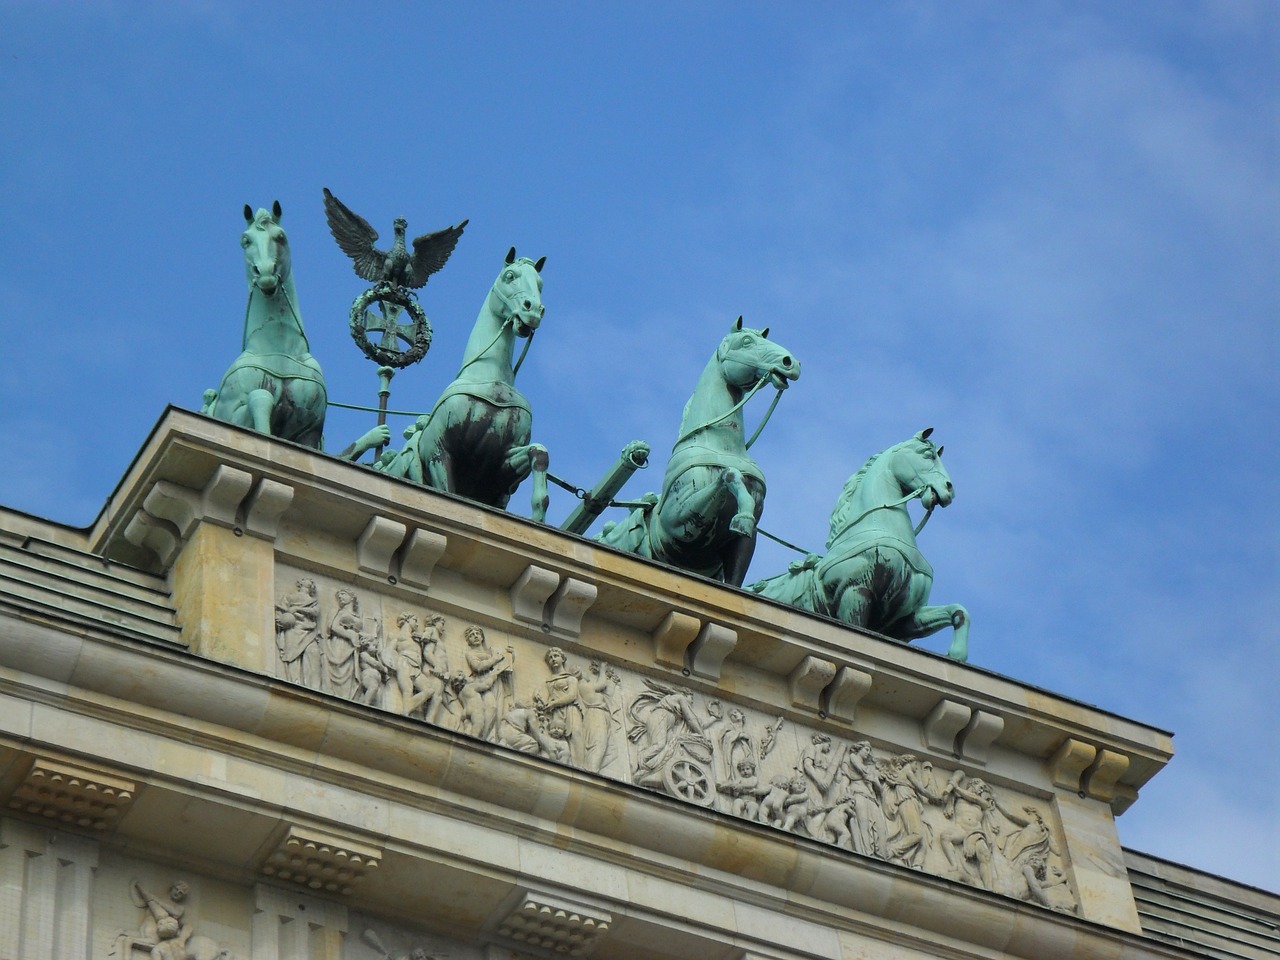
(395, 266)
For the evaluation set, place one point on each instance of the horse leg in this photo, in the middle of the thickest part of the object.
(929, 620)
(540, 460)
(260, 403)
(744, 521)
(526, 459)
(737, 557)
(433, 472)
(851, 585)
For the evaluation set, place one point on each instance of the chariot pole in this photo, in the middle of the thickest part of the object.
(634, 456)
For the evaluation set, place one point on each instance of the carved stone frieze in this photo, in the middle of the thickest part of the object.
(493, 683)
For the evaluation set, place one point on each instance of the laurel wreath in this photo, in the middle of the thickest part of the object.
(386, 356)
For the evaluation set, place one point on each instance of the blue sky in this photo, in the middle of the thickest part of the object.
(1049, 230)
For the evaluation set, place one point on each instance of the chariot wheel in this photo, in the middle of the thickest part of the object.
(689, 781)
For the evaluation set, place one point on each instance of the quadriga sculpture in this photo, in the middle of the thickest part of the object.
(475, 440)
(713, 492)
(873, 575)
(275, 386)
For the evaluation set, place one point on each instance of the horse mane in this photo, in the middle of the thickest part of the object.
(840, 512)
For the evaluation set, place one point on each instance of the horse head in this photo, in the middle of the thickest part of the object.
(748, 357)
(518, 291)
(917, 465)
(266, 249)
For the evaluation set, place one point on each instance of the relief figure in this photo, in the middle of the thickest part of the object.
(907, 787)
(741, 793)
(598, 717)
(166, 932)
(820, 770)
(521, 729)
(864, 789)
(298, 635)
(490, 678)
(969, 839)
(341, 641)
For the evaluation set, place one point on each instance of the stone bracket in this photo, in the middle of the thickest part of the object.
(707, 653)
(807, 681)
(321, 861)
(1069, 762)
(222, 495)
(530, 592)
(155, 534)
(1101, 780)
(974, 741)
(377, 545)
(170, 512)
(264, 508)
(551, 923)
(568, 605)
(422, 551)
(841, 698)
(672, 639)
(72, 794)
(179, 505)
(943, 725)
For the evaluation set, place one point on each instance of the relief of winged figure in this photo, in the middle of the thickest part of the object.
(395, 266)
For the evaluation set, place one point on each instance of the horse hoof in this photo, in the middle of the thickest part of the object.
(743, 525)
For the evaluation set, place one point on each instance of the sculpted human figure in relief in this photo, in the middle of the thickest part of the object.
(488, 670)
(579, 710)
(298, 635)
(908, 785)
(166, 930)
(868, 827)
(340, 644)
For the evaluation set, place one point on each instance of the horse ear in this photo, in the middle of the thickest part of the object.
(738, 325)
(764, 334)
(248, 214)
(511, 255)
(924, 434)
(940, 449)
(276, 209)
(542, 262)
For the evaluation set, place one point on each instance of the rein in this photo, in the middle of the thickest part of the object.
(862, 516)
(734, 409)
(508, 322)
(293, 312)
(918, 491)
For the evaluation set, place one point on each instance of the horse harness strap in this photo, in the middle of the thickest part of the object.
(293, 312)
(730, 412)
(883, 506)
(279, 365)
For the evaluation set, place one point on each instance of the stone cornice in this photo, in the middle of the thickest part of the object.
(193, 469)
(188, 703)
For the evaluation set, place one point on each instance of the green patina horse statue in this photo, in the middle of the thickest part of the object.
(873, 574)
(475, 440)
(713, 492)
(275, 386)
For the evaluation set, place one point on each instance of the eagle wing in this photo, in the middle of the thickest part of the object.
(431, 252)
(355, 237)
